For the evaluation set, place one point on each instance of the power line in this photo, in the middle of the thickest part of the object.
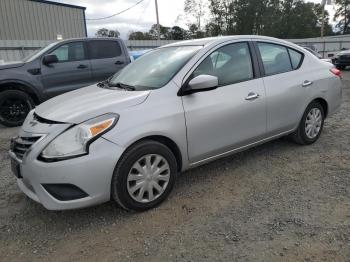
(106, 17)
(143, 12)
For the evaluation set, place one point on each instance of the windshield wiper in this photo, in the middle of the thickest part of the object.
(122, 86)
(102, 84)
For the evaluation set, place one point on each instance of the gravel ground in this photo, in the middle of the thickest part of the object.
(275, 202)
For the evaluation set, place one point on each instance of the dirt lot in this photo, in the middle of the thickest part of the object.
(276, 202)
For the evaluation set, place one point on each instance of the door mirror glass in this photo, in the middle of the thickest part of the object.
(50, 59)
(202, 83)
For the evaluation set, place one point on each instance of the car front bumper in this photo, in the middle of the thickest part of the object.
(91, 173)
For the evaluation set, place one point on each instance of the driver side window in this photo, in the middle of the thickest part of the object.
(231, 64)
(70, 52)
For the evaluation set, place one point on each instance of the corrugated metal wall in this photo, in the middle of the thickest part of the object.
(35, 20)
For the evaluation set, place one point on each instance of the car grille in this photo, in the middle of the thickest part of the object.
(20, 145)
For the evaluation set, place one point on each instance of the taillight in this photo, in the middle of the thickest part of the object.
(335, 72)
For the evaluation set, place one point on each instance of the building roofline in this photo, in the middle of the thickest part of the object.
(60, 4)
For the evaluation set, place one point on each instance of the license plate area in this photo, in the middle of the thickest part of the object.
(15, 167)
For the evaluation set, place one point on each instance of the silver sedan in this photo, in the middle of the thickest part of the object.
(176, 107)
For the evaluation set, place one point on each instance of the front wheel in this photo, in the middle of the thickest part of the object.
(144, 176)
(311, 125)
(14, 107)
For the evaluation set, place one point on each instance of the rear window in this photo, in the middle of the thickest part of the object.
(275, 58)
(278, 58)
(104, 49)
(295, 57)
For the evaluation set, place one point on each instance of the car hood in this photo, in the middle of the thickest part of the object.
(89, 102)
(9, 65)
(345, 52)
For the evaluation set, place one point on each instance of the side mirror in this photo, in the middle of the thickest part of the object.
(202, 83)
(50, 59)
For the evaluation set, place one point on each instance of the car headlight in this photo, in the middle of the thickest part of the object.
(75, 141)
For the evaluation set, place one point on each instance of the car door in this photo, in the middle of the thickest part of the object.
(107, 58)
(286, 86)
(234, 114)
(72, 71)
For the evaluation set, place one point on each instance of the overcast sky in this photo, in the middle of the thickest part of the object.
(139, 18)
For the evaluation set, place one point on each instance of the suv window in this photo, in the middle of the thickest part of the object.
(70, 52)
(275, 58)
(231, 64)
(104, 49)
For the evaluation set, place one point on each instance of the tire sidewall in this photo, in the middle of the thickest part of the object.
(302, 131)
(11, 94)
(119, 180)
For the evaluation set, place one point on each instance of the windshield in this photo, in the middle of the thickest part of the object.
(38, 53)
(154, 69)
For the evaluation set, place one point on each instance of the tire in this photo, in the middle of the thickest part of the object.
(14, 107)
(123, 182)
(304, 135)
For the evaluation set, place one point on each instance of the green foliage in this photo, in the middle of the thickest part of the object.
(279, 18)
(104, 32)
(342, 15)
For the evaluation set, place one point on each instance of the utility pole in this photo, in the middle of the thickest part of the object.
(323, 13)
(158, 26)
(323, 5)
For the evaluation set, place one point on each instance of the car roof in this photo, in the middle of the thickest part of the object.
(220, 39)
(88, 38)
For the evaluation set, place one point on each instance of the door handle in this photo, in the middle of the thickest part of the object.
(252, 96)
(119, 62)
(307, 83)
(82, 66)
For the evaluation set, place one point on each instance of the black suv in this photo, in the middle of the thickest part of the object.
(342, 59)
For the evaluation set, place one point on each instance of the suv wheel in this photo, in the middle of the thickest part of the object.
(144, 176)
(14, 107)
(311, 125)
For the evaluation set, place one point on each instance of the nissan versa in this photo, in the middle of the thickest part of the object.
(174, 108)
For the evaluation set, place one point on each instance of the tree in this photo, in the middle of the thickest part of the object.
(104, 32)
(195, 9)
(140, 36)
(177, 33)
(164, 32)
(113, 33)
(194, 32)
(342, 15)
(278, 18)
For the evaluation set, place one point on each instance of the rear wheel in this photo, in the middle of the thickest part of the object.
(311, 125)
(144, 176)
(14, 107)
